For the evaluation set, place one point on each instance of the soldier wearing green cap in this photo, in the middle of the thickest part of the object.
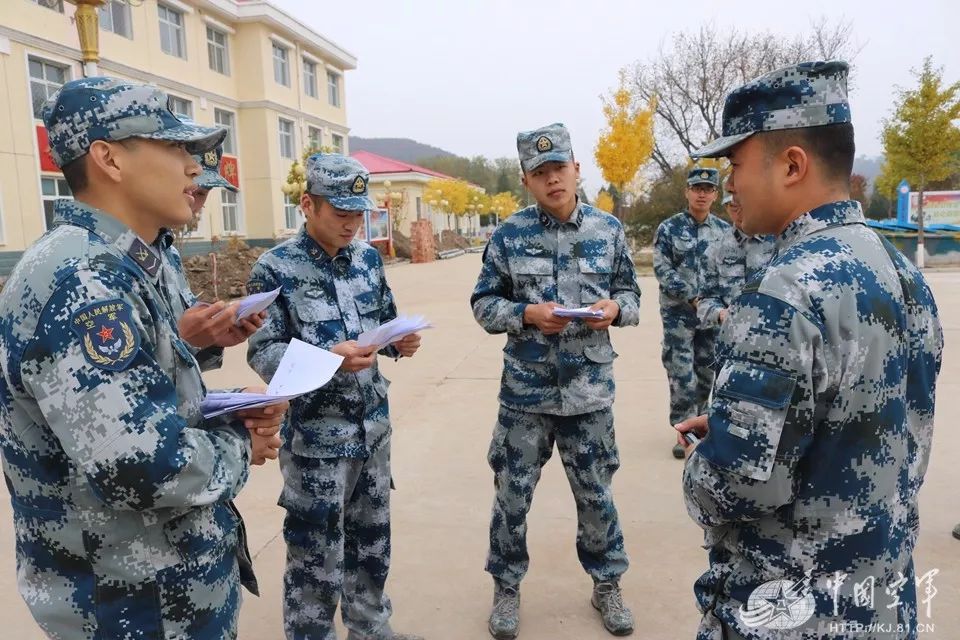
(818, 435)
(557, 384)
(684, 247)
(121, 490)
(335, 458)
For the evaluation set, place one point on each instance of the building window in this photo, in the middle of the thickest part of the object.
(180, 107)
(315, 138)
(287, 142)
(291, 214)
(337, 142)
(281, 65)
(172, 40)
(310, 78)
(46, 78)
(333, 88)
(115, 17)
(217, 51)
(230, 205)
(225, 119)
(56, 5)
(52, 188)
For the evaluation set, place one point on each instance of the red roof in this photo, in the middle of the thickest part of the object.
(379, 164)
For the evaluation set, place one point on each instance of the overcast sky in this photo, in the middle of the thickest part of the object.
(466, 75)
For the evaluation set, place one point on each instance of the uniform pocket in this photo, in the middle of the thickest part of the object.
(749, 409)
(200, 529)
(532, 276)
(594, 279)
(600, 353)
(369, 307)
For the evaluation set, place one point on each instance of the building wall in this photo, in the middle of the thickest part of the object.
(249, 92)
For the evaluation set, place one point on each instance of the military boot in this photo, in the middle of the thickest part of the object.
(505, 618)
(616, 616)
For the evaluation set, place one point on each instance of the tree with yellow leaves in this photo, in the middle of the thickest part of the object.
(604, 201)
(452, 197)
(627, 141)
(504, 204)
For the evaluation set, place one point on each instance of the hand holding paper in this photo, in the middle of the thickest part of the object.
(390, 332)
(582, 313)
(303, 368)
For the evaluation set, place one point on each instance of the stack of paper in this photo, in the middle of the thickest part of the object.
(390, 332)
(582, 312)
(303, 368)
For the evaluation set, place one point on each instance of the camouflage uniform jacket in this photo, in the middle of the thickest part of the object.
(682, 249)
(182, 298)
(324, 301)
(533, 258)
(821, 421)
(113, 474)
(739, 258)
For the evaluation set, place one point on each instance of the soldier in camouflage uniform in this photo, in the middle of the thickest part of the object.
(683, 248)
(821, 418)
(206, 328)
(557, 374)
(120, 490)
(336, 453)
(739, 258)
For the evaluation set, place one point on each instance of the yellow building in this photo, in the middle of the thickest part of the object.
(277, 84)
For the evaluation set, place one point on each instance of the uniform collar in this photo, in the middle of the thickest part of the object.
(549, 222)
(318, 254)
(834, 214)
(710, 220)
(110, 230)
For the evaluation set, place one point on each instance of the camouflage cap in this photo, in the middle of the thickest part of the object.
(546, 144)
(210, 177)
(100, 108)
(809, 94)
(727, 198)
(340, 180)
(702, 175)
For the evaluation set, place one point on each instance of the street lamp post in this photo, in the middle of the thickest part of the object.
(87, 19)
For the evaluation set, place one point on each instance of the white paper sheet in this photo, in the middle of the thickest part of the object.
(390, 332)
(303, 368)
(582, 312)
(255, 303)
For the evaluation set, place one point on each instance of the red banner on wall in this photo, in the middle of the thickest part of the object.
(229, 169)
(43, 145)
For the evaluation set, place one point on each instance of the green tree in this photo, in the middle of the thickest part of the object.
(665, 197)
(921, 140)
(881, 207)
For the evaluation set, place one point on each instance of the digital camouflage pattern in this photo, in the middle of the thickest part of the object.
(820, 428)
(120, 490)
(739, 258)
(340, 180)
(546, 144)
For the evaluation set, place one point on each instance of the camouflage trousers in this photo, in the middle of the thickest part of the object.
(337, 531)
(688, 355)
(522, 444)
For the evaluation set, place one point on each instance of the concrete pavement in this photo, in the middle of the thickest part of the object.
(444, 406)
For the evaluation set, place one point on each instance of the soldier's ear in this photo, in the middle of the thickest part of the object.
(103, 162)
(796, 164)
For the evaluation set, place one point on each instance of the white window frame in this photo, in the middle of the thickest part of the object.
(310, 78)
(291, 209)
(333, 89)
(108, 14)
(213, 45)
(53, 5)
(179, 29)
(281, 63)
(237, 206)
(49, 87)
(58, 179)
(187, 101)
(281, 134)
(318, 139)
(231, 139)
(337, 148)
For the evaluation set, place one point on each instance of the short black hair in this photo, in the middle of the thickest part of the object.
(75, 173)
(832, 144)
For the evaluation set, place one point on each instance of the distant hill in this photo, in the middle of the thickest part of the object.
(403, 149)
(869, 168)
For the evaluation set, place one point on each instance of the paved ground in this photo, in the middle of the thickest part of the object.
(444, 406)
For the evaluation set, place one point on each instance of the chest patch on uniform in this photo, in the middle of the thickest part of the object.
(108, 338)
